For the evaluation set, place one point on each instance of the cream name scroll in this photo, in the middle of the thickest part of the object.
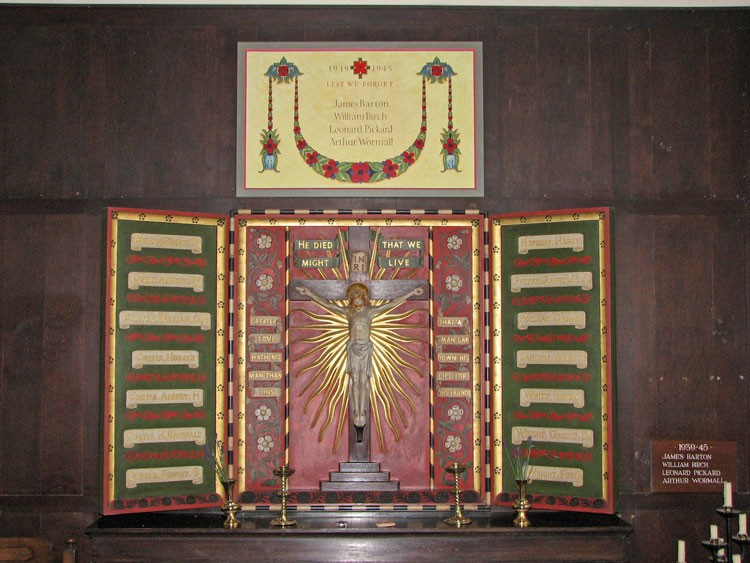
(139, 241)
(572, 475)
(195, 434)
(550, 242)
(164, 318)
(576, 397)
(578, 358)
(135, 477)
(141, 358)
(552, 318)
(137, 397)
(562, 279)
(559, 435)
(163, 279)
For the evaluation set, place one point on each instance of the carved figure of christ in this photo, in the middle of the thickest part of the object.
(360, 315)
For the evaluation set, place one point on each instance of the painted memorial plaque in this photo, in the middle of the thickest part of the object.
(164, 369)
(328, 119)
(551, 358)
(358, 357)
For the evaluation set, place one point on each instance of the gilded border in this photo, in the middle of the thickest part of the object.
(602, 216)
(346, 218)
(114, 215)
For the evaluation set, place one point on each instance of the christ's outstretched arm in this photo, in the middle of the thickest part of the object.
(387, 306)
(327, 305)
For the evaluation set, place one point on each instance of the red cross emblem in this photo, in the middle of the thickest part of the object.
(360, 67)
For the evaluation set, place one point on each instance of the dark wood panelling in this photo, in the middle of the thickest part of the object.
(62, 356)
(3, 251)
(564, 74)
(492, 108)
(19, 525)
(22, 394)
(682, 366)
(646, 539)
(91, 363)
(59, 527)
(603, 76)
(640, 111)
(162, 116)
(636, 347)
(729, 334)
(729, 132)
(744, 445)
(518, 123)
(679, 100)
(52, 129)
(644, 111)
(620, 53)
(392, 17)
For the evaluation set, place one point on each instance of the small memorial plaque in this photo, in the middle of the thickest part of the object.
(692, 466)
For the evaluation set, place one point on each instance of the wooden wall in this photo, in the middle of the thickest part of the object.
(643, 111)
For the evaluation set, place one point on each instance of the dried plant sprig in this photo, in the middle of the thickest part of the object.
(215, 455)
(519, 463)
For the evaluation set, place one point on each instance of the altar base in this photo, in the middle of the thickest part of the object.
(414, 537)
(359, 476)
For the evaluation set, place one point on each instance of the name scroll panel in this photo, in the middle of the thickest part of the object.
(552, 391)
(165, 359)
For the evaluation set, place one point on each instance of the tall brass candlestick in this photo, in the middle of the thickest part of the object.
(284, 473)
(458, 519)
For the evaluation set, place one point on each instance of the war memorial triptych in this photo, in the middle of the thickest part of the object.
(368, 350)
(406, 340)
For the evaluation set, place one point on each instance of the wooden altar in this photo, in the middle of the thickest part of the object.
(553, 537)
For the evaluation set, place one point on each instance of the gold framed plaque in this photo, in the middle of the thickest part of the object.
(359, 118)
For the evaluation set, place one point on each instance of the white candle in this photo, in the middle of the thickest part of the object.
(714, 532)
(736, 558)
(681, 551)
(727, 493)
(743, 524)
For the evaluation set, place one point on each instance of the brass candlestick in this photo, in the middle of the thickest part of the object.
(522, 505)
(230, 507)
(284, 473)
(458, 519)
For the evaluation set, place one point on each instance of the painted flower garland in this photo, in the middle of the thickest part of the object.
(438, 71)
(366, 171)
(281, 72)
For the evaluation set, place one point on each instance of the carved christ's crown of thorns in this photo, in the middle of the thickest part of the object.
(357, 290)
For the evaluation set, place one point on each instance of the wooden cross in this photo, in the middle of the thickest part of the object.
(335, 290)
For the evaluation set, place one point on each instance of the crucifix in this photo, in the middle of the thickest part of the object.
(356, 289)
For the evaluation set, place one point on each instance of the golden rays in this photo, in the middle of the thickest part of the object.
(393, 363)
